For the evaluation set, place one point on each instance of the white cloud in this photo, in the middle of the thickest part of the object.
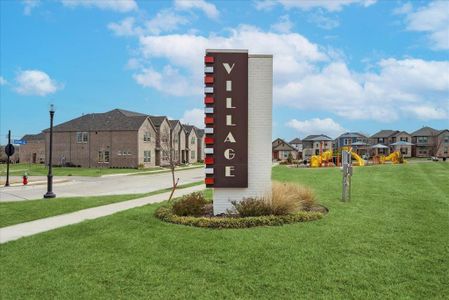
(29, 5)
(316, 126)
(283, 26)
(168, 81)
(306, 76)
(432, 19)
(209, 9)
(35, 82)
(322, 21)
(193, 117)
(114, 5)
(165, 21)
(125, 28)
(427, 112)
(3, 81)
(329, 5)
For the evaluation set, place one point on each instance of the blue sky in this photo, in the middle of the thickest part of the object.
(340, 65)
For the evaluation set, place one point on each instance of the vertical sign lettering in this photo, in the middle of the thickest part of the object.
(226, 92)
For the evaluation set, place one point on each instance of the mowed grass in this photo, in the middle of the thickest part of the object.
(390, 242)
(42, 170)
(23, 211)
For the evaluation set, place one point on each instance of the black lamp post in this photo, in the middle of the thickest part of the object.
(50, 193)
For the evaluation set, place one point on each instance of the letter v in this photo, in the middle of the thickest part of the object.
(228, 68)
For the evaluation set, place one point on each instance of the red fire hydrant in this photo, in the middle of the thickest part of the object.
(25, 179)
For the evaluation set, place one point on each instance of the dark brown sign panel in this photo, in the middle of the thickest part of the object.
(226, 99)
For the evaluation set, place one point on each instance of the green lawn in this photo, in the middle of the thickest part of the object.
(390, 242)
(42, 170)
(23, 211)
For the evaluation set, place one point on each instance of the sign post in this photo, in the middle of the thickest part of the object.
(9, 150)
(347, 174)
(238, 119)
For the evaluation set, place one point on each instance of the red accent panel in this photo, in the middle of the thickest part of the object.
(209, 140)
(208, 120)
(209, 100)
(208, 79)
(209, 59)
(209, 160)
(209, 180)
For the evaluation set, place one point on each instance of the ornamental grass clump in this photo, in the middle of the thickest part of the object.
(285, 198)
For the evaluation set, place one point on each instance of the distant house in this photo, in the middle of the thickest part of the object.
(178, 141)
(201, 144)
(163, 139)
(281, 150)
(406, 150)
(349, 138)
(117, 138)
(383, 137)
(430, 142)
(314, 144)
(34, 149)
(297, 144)
(191, 144)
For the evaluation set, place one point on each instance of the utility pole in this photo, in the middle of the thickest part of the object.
(9, 150)
(347, 174)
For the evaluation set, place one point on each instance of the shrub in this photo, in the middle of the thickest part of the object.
(290, 158)
(190, 205)
(166, 214)
(252, 207)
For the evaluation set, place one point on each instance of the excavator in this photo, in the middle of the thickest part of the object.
(395, 157)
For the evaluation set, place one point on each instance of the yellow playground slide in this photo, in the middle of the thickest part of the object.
(358, 158)
(395, 157)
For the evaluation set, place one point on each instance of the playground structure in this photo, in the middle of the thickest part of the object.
(330, 158)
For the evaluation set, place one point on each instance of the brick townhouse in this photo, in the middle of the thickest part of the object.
(201, 144)
(280, 150)
(34, 149)
(313, 144)
(430, 142)
(387, 137)
(117, 139)
(191, 144)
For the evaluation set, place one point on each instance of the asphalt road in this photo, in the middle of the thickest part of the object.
(98, 186)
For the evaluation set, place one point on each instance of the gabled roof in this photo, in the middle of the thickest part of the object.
(188, 128)
(295, 141)
(114, 120)
(157, 120)
(384, 133)
(352, 135)
(173, 123)
(443, 131)
(199, 132)
(401, 132)
(34, 137)
(425, 131)
(317, 137)
(284, 147)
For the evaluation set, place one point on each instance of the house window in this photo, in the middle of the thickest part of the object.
(422, 139)
(176, 154)
(446, 139)
(192, 154)
(175, 139)
(164, 139)
(404, 150)
(445, 150)
(82, 137)
(165, 155)
(146, 156)
(192, 140)
(103, 156)
(404, 139)
(380, 140)
(147, 137)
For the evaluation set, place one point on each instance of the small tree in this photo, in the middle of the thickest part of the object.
(290, 158)
(167, 145)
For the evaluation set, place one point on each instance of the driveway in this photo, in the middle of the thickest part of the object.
(99, 186)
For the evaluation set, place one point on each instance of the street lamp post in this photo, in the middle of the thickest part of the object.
(50, 193)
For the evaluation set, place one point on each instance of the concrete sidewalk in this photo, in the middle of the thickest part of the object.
(14, 232)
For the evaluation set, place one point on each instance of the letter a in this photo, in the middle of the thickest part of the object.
(228, 67)
(229, 138)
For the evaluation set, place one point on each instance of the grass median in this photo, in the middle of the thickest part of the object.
(23, 211)
(389, 242)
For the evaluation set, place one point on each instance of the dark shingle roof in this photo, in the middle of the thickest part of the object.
(173, 123)
(295, 141)
(352, 135)
(400, 132)
(34, 137)
(157, 120)
(384, 133)
(115, 120)
(425, 131)
(317, 137)
(284, 147)
(188, 128)
(199, 132)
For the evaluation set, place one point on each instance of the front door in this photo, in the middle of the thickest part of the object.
(34, 158)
